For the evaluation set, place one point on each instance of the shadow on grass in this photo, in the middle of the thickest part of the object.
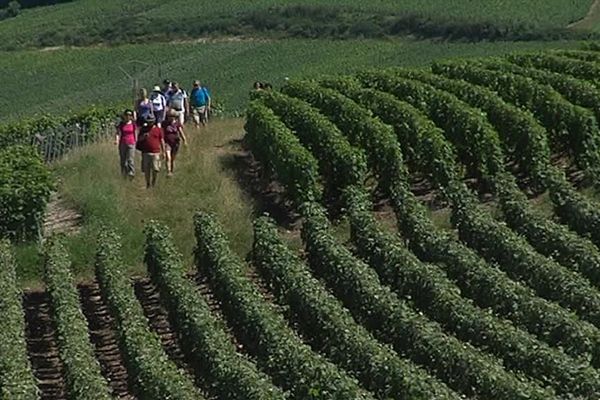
(268, 195)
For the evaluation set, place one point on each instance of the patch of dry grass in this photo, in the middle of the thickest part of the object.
(90, 181)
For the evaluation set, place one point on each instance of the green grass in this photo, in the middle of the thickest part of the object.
(93, 21)
(204, 179)
(64, 79)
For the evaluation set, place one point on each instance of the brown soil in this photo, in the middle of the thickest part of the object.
(104, 337)
(215, 306)
(147, 294)
(42, 346)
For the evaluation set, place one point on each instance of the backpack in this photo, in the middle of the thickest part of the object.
(158, 101)
(199, 97)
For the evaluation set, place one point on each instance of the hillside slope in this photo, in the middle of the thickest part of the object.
(87, 22)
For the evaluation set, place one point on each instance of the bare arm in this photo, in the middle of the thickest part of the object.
(182, 134)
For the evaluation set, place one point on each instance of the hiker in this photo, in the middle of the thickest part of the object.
(174, 135)
(159, 105)
(257, 86)
(166, 90)
(177, 101)
(152, 144)
(126, 139)
(143, 107)
(200, 103)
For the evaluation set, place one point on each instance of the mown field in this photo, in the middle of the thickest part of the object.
(87, 22)
(66, 79)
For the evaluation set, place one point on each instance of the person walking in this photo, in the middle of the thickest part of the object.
(159, 105)
(166, 90)
(200, 103)
(143, 107)
(152, 144)
(174, 135)
(177, 101)
(126, 139)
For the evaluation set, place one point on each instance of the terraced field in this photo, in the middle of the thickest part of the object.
(504, 305)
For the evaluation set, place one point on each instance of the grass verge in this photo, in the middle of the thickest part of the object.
(89, 180)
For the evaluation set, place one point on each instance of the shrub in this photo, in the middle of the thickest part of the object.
(25, 187)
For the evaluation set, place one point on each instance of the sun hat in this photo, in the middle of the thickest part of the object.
(156, 89)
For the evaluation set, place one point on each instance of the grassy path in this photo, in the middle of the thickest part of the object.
(590, 21)
(204, 178)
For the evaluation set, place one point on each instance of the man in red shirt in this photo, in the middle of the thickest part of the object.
(152, 144)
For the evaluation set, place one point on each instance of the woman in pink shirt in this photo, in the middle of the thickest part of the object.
(126, 139)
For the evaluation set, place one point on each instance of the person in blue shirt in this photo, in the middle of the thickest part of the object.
(200, 102)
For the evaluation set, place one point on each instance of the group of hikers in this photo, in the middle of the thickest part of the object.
(155, 126)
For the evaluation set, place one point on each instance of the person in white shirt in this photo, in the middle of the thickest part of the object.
(177, 101)
(159, 105)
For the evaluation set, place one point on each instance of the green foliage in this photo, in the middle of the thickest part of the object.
(110, 21)
(497, 243)
(225, 372)
(473, 137)
(281, 152)
(54, 135)
(575, 90)
(265, 333)
(460, 365)
(418, 134)
(340, 163)
(549, 238)
(573, 127)
(578, 212)
(99, 81)
(488, 286)
(82, 371)
(25, 187)
(16, 377)
(439, 298)
(151, 371)
(519, 132)
(384, 155)
(332, 329)
(582, 69)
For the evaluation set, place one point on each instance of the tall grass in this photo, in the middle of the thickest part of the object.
(90, 181)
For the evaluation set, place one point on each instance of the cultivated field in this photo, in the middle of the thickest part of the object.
(412, 213)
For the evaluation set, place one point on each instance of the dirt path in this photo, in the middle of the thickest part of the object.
(42, 346)
(60, 218)
(590, 20)
(147, 293)
(104, 338)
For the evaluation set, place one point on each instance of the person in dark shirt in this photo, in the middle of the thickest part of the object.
(174, 135)
(151, 143)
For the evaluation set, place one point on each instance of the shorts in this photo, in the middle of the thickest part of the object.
(151, 162)
(181, 116)
(200, 114)
(159, 115)
(172, 147)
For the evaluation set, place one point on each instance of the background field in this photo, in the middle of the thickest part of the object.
(59, 80)
(86, 22)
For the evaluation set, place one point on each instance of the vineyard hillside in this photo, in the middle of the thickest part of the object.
(390, 200)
